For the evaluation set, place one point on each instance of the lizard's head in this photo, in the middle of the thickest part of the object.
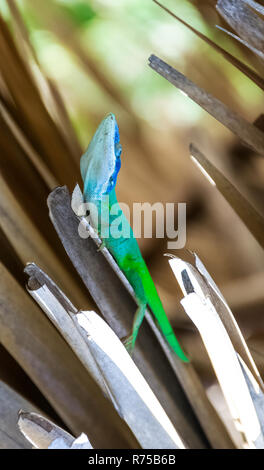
(101, 162)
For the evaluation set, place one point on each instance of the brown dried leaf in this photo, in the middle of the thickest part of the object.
(247, 24)
(248, 214)
(29, 244)
(10, 404)
(28, 51)
(247, 132)
(38, 125)
(47, 359)
(250, 73)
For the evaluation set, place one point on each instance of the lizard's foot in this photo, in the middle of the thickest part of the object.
(128, 342)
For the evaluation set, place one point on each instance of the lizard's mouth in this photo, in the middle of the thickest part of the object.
(118, 151)
(117, 147)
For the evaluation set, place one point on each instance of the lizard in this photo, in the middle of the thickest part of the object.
(99, 166)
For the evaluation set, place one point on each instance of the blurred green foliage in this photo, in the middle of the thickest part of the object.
(80, 12)
(120, 35)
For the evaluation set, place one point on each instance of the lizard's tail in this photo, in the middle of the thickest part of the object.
(164, 324)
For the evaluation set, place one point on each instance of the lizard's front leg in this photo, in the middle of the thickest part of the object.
(102, 246)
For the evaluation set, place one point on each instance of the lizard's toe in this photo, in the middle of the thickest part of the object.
(128, 342)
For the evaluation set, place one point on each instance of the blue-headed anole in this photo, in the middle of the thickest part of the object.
(100, 165)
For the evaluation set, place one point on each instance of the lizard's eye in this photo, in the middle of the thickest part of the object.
(111, 182)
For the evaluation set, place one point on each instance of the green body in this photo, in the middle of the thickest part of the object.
(100, 166)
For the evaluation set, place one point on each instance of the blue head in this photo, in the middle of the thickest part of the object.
(101, 162)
